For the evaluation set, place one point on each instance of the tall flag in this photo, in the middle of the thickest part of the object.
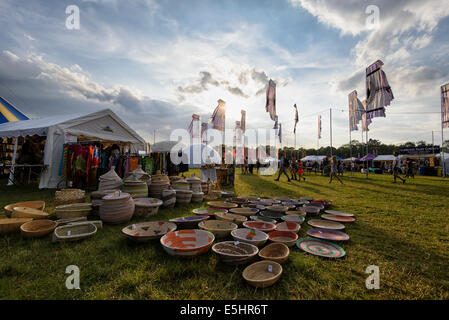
(319, 127)
(243, 121)
(356, 111)
(9, 113)
(378, 91)
(271, 99)
(445, 105)
(296, 117)
(366, 121)
(218, 117)
(276, 123)
(194, 128)
(204, 132)
(280, 132)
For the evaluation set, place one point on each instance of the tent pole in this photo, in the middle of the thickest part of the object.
(367, 163)
(442, 145)
(11, 172)
(350, 148)
(330, 124)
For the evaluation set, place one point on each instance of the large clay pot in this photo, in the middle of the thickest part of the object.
(117, 208)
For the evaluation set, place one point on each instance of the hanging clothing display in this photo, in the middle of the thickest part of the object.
(378, 91)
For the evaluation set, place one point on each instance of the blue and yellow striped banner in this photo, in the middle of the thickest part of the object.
(9, 113)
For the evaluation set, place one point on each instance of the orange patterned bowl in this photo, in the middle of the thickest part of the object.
(187, 243)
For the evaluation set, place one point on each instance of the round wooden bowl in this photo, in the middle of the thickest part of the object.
(190, 222)
(12, 225)
(260, 225)
(25, 212)
(288, 226)
(263, 219)
(237, 219)
(38, 205)
(219, 228)
(286, 237)
(38, 228)
(259, 275)
(147, 231)
(293, 218)
(235, 252)
(277, 252)
(252, 236)
(222, 204)
(245, 211)
(187, 243)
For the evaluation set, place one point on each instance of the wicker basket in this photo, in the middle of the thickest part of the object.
(38, 205)
(11, 225)
(259, 275)
(74, 232)
(277, 252)
(73, 210)
(62, 222)
(37, 228)
(235, 253)
(25, 212)
(69, 196)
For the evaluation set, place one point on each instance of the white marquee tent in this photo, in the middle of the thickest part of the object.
(103, 125)
(318, 159)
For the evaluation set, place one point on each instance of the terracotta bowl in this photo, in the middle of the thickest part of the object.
(235, 252)
(187, 243)
(252, 236)
(260, 225)
(262, 274)
(286, 237)
(277, 252)
(288, 226)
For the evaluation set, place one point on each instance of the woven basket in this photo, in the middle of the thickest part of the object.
(37, 228)
(258, 274)
(11, 225)
(38, 205)
(25, 212)
(69, 196)
(74, 232)
(277, 252)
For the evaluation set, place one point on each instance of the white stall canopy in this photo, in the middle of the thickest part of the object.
(103, 125)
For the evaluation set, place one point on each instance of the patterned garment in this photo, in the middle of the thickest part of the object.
(271, 99)
(219, 116)
(378, 91)
(445, 105)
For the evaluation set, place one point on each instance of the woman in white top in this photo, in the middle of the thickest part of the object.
(396, 169)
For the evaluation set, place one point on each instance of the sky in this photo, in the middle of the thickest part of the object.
(155, 62)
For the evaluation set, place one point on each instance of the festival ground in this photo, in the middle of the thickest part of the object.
(402, 229)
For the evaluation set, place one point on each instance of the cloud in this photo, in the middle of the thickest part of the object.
(237, 91)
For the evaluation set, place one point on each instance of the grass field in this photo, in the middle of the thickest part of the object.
(403, 229)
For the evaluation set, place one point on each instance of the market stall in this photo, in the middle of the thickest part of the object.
(90, 133)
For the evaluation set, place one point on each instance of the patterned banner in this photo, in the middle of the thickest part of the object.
(218, 117)
(366, 121)
(296, 117)
(319, 127)
(243, 121)
(204, 132)
(280, 133)
(445, 105)
(356, 110)
(271, 99)
(378, 91)
(194, 128)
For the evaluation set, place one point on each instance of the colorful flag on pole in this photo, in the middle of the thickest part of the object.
(271, 99)
(356, 110)
(296, 117)
(276, 122)
(366, 121)
(445, 105)
(218, 117)
(243, 121)
(378, 91)
(204, 132)
(194, 126)
(280, 132)
(319, 127)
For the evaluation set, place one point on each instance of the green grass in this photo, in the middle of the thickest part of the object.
(403, 229)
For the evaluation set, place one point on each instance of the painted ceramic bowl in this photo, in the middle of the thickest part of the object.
(310, 210)
(235, 252)
(293, 218)
(260, 225)
(147, 231)
(339, 213)
(187, 243)
(305, 199)
(237, 200)
(286, 237)
(264, 219)
(316, 204)
(252, 236)
(244, 211)
(189, 222)
(288, 226)
(219, 228)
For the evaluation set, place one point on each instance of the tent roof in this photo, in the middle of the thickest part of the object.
(384, 157)
(349, 159)
(313, 158)
(76, 124)
(368, 157)
(165, 146)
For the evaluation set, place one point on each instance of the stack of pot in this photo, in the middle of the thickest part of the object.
(195, 186)
(183, 192)
(159, 182)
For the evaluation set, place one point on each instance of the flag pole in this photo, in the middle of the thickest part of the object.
(442, 134)
(330, 124)
(367, 169)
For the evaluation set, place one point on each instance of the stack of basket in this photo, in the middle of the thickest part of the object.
(195, 186)
(136, 187)
(183, 192)
(69, 196)
(74, 210)
(142, 175)
(110, 181)
(169, 198)
(117, 208)
(159, 182)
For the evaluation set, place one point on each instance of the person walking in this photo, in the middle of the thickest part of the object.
(396, 169)
(300, 171)
(293, 169)
(334, 169)
(283, 165)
